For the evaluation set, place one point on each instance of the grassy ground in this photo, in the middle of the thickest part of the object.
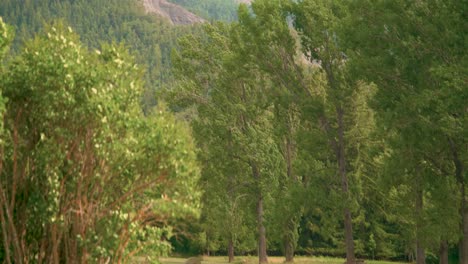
(276, 260)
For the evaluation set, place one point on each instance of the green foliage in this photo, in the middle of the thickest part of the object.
(6, 36)
(150, 38)
(88, 169)
(415, 104)
(313, 109)
(218, 10)
(233, 126)
(331, 99)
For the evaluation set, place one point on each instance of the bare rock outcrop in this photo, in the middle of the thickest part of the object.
(176, 14)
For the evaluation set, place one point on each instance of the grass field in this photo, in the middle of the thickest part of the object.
(276, 260)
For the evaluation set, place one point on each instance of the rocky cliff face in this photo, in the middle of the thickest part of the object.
(174, 13)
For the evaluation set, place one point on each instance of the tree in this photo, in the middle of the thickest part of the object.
(269, 46)
(236, 114)
(6, 37)
(224, 177)
(85, 176)
(417, 97)
(318, 24)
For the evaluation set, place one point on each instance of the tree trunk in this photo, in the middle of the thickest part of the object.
(54, 258)
(341, 158)
(289, 252)
(262, 246)
(460, 174)
(289, 239)
(464, 239)
(231, 251)
(420, 253)
(290, 228)
(231, 227)
(12, 231)
(443, 252)
(350, 258)
(6, 240)
(289, 243)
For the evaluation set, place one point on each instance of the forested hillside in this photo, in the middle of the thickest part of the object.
(277, 128)
(224, 10)
(149, 37)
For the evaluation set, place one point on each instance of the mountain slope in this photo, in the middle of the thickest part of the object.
(149, 37)
(175, 13)
(224, 10)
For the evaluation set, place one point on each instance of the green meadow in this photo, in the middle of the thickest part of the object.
(254, 259)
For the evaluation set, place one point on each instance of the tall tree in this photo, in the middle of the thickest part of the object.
(267, 46)
(232, 105)
(271, 47)
(416, 57)
(318, 23)
(6, 38)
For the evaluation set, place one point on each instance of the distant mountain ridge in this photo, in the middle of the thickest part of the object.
(176, 14)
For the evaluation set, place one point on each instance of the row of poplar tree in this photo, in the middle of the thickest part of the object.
(343, 121)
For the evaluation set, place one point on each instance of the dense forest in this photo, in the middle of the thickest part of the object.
(150, 38)
(223, 10)
(311, 127)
